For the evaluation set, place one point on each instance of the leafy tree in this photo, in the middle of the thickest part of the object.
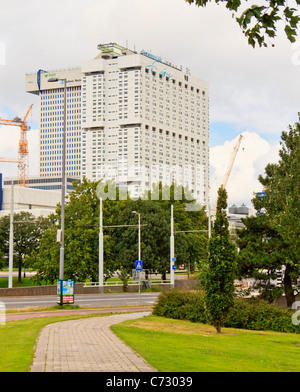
(27, 234)
(120, 243)
(155, 235)
(260, 21)
(190, 224)
(263, 252)
(218, 274)
(81, 237)
(281, 202)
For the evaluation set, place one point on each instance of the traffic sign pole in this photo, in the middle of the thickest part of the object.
(139, 268)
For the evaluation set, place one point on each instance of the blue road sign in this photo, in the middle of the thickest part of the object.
(138, 265)
(174, 267)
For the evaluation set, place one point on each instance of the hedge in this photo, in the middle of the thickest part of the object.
(246, 313)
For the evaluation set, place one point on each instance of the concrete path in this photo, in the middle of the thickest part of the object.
(87, 345)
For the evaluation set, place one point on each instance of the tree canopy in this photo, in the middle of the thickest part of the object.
(271, 239)
(260, 21)
(218, 273)
(28, 231)
(120, 243)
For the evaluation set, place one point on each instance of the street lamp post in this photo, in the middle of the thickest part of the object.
(139, 252)
(101, 250)
(172, 249)
(63, 185)
(139, 240)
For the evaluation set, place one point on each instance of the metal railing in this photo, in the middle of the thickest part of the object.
(152, 282)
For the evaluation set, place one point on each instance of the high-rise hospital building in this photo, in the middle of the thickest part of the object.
(133, 117)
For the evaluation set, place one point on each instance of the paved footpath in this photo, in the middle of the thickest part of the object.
(87, 345)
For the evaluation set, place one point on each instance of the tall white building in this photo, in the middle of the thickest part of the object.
(133, 117)
(51, 107)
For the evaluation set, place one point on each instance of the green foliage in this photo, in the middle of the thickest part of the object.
(262, 253)
(120, 243)
(218, 274)
(260, 316)
(82, 211)
(271, 239)
(27, 234)
(124, 276)
(155, 232)
(181, 305)
(260, 21)
(244, 313)
(282, 188)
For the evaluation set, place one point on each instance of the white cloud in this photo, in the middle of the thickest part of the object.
(252, 157)
(10, 136)
(255, 90)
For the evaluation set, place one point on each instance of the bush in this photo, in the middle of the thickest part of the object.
(261, 316)
(182, 305)
(247, 314)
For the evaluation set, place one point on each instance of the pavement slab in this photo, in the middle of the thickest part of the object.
(87, 345)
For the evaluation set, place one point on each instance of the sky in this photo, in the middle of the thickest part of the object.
(253, 92)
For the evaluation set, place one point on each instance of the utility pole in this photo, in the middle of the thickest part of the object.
(172, 249)
(11, 237)
(63, 185)
(101, 249)
(139, 255)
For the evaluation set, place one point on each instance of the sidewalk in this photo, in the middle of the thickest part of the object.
(87, 345)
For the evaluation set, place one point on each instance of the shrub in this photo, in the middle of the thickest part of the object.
(182, 305)
(245, 313)
(260, 315)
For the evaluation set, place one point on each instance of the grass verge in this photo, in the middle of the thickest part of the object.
(18, 339)
(182, 346)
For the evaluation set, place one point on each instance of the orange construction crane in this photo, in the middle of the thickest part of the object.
(23, 160)
(231, 162)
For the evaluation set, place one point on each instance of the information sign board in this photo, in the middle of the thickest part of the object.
(65, 292)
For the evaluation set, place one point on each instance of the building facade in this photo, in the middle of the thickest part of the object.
(36, 201)
(51, 96)
(45, 183)
(131, 117)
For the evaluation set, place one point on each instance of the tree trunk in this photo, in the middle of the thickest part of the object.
(20, 273)
(218, 328)
(288, 288)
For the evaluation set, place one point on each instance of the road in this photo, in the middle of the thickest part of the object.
(88, 300)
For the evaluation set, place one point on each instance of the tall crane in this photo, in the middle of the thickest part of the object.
(231, 162)
(226, 175)
(23, 158)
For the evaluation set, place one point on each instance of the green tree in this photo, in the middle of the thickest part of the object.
(155, 235)
(190, 224)
(261, 21)
(281, 202)
(218, 274)
(262, 253)
(27, 234)
(82, 211)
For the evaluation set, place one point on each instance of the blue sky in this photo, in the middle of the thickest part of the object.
(252, 91)
(220, 132)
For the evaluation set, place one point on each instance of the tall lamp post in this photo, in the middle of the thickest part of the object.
(139, 255)
(63, 185)
(139, 215)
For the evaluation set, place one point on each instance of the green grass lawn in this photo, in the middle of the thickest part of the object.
(181, 346)
(18, 339)
(25, 282)
(169, 346)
